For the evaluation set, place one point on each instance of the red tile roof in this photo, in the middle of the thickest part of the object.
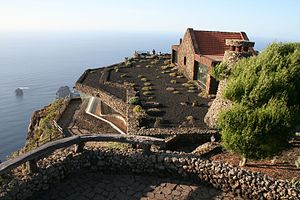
(213, 42)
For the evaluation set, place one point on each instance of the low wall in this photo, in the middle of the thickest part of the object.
(117, 104)
(222, 176)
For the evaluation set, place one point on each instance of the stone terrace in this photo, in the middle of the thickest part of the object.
(94, 186)
(154, 80)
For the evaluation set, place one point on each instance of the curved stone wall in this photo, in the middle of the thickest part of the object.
(222, 176)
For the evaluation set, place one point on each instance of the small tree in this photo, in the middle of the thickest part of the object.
(265, 91)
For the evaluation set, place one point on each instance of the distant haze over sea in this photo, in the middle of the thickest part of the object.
(41, 62)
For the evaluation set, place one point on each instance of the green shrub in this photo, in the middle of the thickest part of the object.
(116, 69)
(173, 74)
(126, 83)
(138, 109)
(147, 93)
(123, 75)
(154, 111)
(135, 100)
(221, 71)
(264, 90)
(171, 89)
(164, 67)
(147, 88)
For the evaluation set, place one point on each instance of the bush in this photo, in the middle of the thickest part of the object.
(135, 100)
(221, 71)
(173, 81)
(138, 109)
(171, 89)
(154, 111)
(147, 88)
(173, 74)
(148, 93)
(264, 90)
(123, 75)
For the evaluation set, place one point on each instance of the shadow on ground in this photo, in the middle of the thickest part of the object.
(88, 185)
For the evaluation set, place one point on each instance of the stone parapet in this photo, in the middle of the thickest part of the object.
(56, 167)
(117, 104)
(239, 43)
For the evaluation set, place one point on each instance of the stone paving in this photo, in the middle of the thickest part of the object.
(95, 186)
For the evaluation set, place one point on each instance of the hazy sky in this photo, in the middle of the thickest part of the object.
(262, 18)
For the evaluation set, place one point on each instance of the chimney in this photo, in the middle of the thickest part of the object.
(237, 49)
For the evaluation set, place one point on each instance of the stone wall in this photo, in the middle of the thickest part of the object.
(37, 116)
(58, 166)
(220, 103)
(117, 104)
(186, 49)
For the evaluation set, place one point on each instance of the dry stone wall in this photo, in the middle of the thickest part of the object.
(58, 166)
(112, 101)
(186, 51)
(219, 104)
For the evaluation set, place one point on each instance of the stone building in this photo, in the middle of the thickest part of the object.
(199, 51)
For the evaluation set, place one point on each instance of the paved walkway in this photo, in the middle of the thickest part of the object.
(94, 186)
(67, 116)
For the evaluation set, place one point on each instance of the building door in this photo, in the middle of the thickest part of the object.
(174, 56)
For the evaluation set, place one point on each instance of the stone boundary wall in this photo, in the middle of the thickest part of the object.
(175, 131)
(59, 165)
(126, 110)
(112, 101)
(36, 117)
(62, 109)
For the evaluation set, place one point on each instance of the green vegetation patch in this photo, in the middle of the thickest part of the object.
(138, 109)
(147, 84)
(147, 93)
(46, 129)
(173, 81)
(135, 100)
(171, 89)
(265, 91)
(147, 88)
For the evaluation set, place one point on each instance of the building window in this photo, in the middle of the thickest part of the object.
(184, 60)
(201, 73)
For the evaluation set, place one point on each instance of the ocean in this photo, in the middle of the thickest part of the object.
(42, 61)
